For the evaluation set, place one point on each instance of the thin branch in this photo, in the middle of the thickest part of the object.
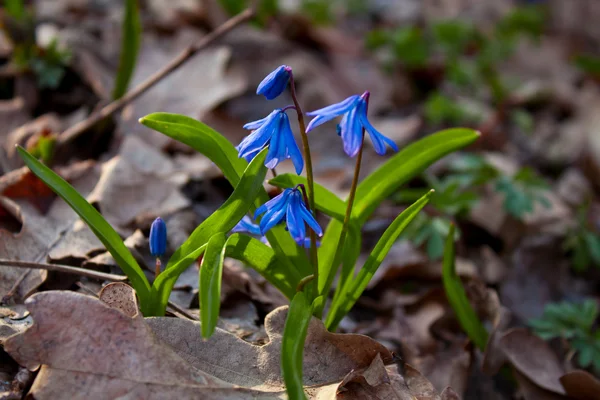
(66, 269)
(133, 94)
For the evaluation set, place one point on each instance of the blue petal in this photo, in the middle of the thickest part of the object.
(276, 152)
(352, 135)
(258, 123)
(274, 83)
(158, 238)
(310, 220)
(378, 139)
(292, 149)
(259, 138)
(273, 203)
(294, 220)
(328, 113)
(246, 225)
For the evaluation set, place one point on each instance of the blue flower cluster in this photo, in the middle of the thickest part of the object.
(274, 132)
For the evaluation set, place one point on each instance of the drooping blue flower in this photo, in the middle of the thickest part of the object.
(274, 84)
(158, 238)
(354, 120)
(290, 206)
(275, 132)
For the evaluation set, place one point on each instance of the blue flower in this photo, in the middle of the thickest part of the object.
(246, 225)
(158, 238)
(354, 120)
(274, 131)
(288, 205)
(274, 83)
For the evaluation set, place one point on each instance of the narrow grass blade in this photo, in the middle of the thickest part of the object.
(102, 229)
(292, 346)
(405, 165)
(355, 287)
(457, 297)
(211, 273)
(131, 32)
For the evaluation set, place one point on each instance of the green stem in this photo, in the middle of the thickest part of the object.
(309, 178)
(337, 259)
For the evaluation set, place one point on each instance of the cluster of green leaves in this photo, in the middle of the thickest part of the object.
(575, 323)
(467, 55)
(583, 243)
(48, 64)
(458, 191)
(283, 264)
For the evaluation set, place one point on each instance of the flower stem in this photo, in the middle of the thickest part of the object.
(157, 268)
(337, 258)
(309, 178)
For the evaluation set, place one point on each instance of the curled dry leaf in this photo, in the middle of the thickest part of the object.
(581, 385)
(121, 296)
(86, 348)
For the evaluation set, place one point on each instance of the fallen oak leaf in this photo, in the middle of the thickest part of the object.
(328, 357)
(89, 350)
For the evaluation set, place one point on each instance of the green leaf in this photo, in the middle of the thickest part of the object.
(219, 150)
(458, 298)
(102, 229)
(201, 138)
(131, 32)
(292, 346)
(263, 260)
(222, 220)
(329, 245)
(211, 273)
(405, 165)
(354, 288)
(325, 201)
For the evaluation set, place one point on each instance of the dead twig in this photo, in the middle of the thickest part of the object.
(64, 268)
(116, 105)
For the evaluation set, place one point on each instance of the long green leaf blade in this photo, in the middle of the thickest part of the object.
(211, 274)
(292, 346)
(405, 165)
(355, 287)
(325, 201)
(102, 229)
(219, 150)
(263, 260)
(457, 296)
(222, 220)
(131, 32)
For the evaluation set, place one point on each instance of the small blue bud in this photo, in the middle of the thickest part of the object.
(274, 84)
(158, 238)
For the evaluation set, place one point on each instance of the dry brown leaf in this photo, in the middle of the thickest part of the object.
(127, 190)
(530, 391)
(197, 87)
(533, 358)
(581, 385)
(328, 357)
(120, 296)
(87, 348)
